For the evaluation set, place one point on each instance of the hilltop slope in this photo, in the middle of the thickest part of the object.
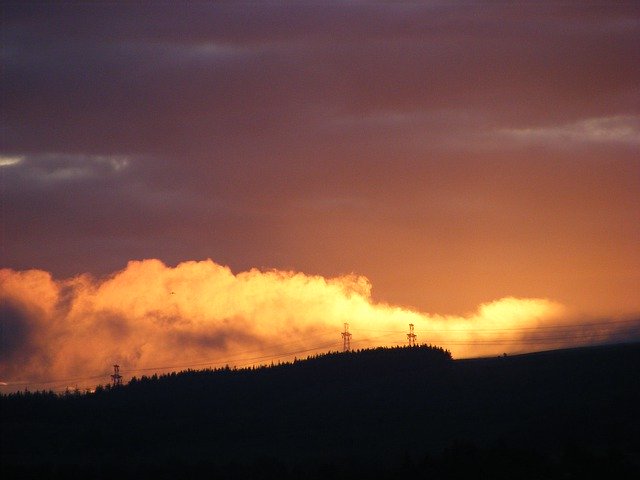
(372, 408)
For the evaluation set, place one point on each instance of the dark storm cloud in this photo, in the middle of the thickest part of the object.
(186, 81)
(15, 333)
(313, 135)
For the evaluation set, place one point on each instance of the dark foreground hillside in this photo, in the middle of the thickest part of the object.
(385, 413)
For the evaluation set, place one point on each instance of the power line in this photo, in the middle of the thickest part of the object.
(565, 330)
(228, 359)
(286, 354)
(545, 327)
(539, 341)
(246, 362)
(48, 382)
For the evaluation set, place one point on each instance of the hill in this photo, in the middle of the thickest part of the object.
(369, 414)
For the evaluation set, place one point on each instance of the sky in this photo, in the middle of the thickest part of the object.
(468, 167)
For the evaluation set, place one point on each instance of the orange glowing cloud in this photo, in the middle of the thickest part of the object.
(151, 317)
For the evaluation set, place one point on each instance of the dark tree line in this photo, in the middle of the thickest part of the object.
(374, 413)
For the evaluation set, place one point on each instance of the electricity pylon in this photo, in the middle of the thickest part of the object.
(346, 338)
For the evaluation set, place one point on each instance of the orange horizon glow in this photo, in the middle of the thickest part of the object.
(152, 317)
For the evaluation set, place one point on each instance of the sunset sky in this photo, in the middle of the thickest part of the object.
(440, 155)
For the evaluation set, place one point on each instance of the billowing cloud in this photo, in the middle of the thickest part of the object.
(151, 317)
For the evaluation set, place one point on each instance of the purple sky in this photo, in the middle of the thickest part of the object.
(452, 153)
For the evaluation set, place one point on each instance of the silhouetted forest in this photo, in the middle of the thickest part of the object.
(382, 413)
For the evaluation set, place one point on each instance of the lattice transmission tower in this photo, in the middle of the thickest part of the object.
(346, 338)
(116, 377)
(411, 336)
